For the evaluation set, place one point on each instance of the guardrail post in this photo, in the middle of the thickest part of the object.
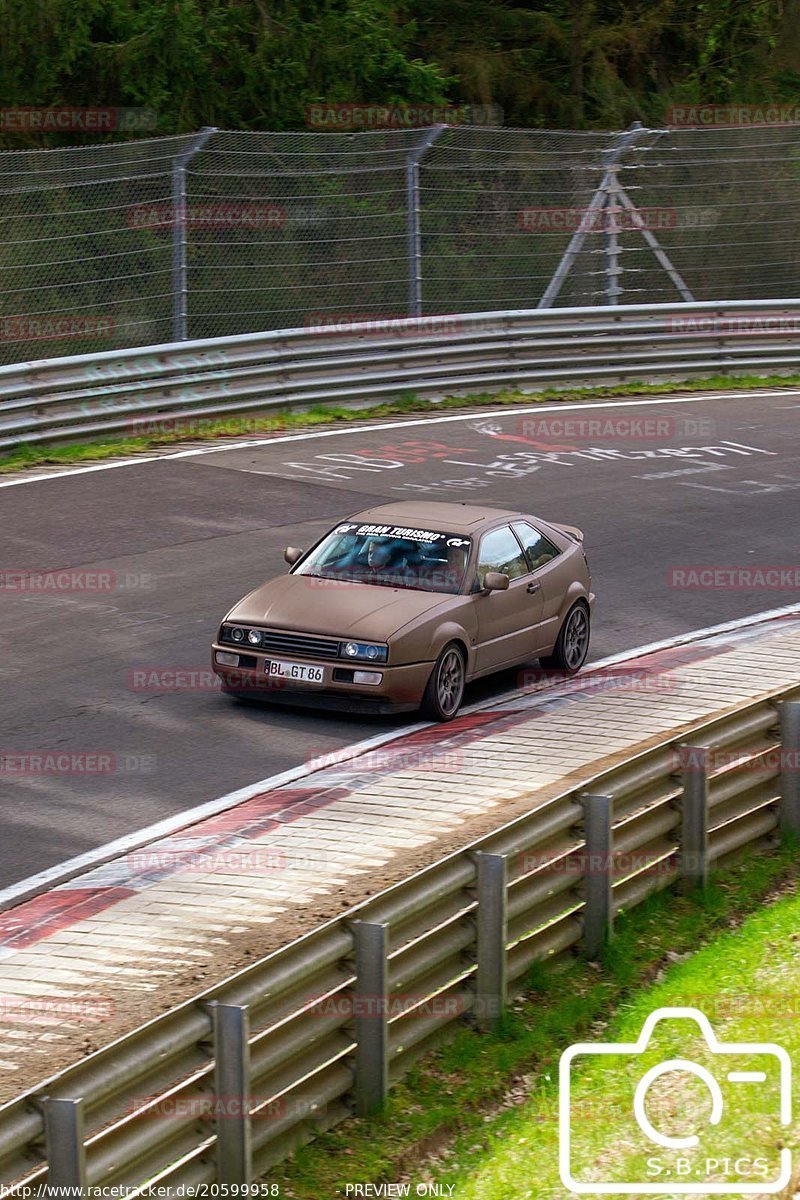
(232, 1093)
(491, 977)
(180, 296)
(694, 816)
(371, 1020)
(790, 766)
(413, 231)
(64, 1146)
(598, 913)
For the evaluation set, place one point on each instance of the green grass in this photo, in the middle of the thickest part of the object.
(207, 429)
(480, 1112)
(747, 982)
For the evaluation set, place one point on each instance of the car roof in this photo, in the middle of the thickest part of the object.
(450, 518)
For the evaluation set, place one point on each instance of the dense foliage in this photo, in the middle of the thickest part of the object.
(257, 64)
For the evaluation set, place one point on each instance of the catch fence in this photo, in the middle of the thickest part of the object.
(218, 234)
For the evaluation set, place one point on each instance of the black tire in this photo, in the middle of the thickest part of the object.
(572, 645)
(445, 689)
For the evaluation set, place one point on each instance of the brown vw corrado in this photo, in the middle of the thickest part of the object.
(400, 606)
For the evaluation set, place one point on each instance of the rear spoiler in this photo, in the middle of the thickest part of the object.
(570, 530)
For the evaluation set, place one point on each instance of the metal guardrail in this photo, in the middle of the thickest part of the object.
(323, 1027)
(129, 391)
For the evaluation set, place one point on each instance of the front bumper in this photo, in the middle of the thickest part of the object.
(400, 690)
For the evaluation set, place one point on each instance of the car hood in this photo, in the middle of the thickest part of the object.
(306, 605)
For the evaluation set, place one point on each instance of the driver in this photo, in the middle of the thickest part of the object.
(378, 555)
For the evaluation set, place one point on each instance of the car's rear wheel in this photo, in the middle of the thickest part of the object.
(445, 689)
(572, 646)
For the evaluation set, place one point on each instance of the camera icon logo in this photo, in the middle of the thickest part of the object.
(688, 1119)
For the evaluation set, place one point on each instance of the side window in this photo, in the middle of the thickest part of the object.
(500, 551)
(538, 550)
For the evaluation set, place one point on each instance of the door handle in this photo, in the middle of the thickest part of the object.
(533, 587)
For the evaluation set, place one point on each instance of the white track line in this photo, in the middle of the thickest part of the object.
(368, 426)
(26, 889)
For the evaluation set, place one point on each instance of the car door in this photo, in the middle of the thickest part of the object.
(552, 570)
(506, 620)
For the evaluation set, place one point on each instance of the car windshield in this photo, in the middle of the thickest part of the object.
(391, 556)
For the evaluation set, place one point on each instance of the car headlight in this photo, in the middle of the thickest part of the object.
(237, 635)
(254, 637)
(364, 650)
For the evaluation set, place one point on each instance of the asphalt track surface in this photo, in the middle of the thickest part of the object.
(696, 485)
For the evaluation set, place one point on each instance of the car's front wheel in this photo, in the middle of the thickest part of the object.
(572, 646)
(445, 689)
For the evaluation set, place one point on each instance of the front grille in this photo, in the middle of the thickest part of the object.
(299, 643)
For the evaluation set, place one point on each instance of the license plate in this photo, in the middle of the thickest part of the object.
(300, 671)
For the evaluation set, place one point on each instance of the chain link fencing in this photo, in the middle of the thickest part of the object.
(219, 233)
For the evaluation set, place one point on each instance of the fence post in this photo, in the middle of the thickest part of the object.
(232, 1084)
(64, 1145)
(413, 233)
(179, 274)
(371, 1017)
(694, 816)
(491, 976)
(598, 913)
(611, 230)
(596, 205)
(790, 766)
(610, 196)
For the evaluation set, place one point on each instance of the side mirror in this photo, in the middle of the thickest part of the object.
(292, 555)
(494, 581)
